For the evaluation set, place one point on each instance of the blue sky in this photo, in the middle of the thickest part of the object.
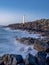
(11, 11)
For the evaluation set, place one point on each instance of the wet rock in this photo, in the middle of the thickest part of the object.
(40, 46)
(47, 50)
(11, 59)
(48, 42)
(21, 64)
(2, 63)
(18, 58)
(27, 41)
(7, 59)
(41, 56)
(31, 60)
(47, 61)
(14, 62)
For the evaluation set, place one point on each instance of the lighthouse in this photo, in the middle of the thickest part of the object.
(23, 21)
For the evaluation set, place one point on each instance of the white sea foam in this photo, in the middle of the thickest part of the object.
(9, 44)
(24, 49)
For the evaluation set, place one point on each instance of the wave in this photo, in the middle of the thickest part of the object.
(9, 44)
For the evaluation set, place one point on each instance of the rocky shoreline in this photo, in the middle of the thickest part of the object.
(27, 41)
(40, 58)
(41, 45)
(38, 26)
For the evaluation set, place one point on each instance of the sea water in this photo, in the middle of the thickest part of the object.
(9, 44)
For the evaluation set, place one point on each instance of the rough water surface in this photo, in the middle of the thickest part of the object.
(9, 44)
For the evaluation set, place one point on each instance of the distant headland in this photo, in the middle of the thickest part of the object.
(41, 25)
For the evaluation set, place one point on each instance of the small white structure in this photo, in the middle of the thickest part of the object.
(23, 21)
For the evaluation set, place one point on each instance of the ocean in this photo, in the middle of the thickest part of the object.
(9, 44)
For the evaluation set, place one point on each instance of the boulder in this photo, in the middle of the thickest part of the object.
(41, 56)
(2, 63)
(7, 59)
(40, 45)
(21, 64)
(18, 58)
(31, 60)
(48, 42)
(47, 61)
(14, 62)
(12, 59)
(27, 41)
(47, 50)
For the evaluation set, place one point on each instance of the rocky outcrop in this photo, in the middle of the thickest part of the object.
(40, 45)
(27, 41)
(41, 25)
(47, 60)
(48, 42)
(47, 50)
(31, 60)
(13, 59)
(41, 56)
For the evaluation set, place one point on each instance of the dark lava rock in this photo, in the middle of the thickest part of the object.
(41, 56)
(31, 60)
(47, 61)
(27, 41)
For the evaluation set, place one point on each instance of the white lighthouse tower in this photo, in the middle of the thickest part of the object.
(23, 21)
